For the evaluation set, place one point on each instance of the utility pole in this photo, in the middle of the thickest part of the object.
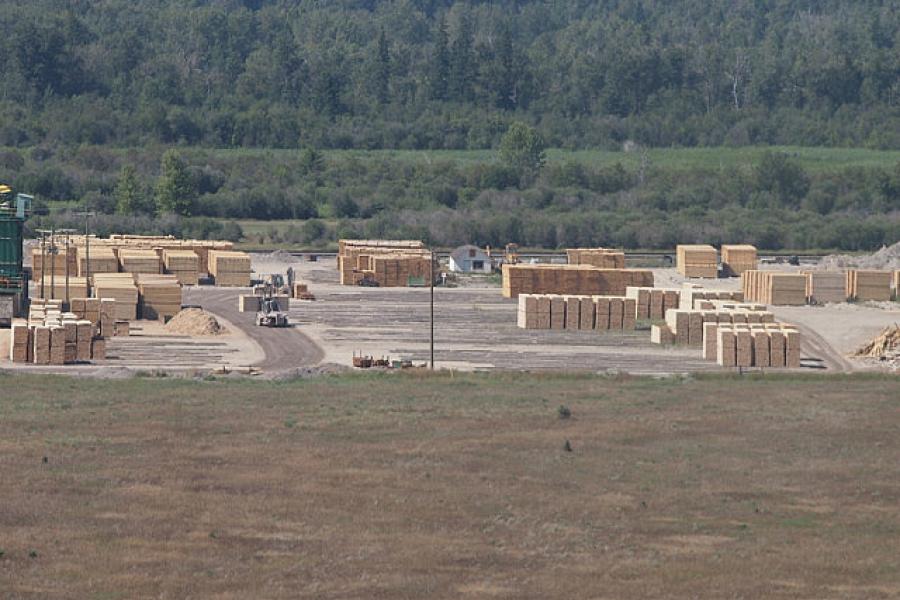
(432, 310)
(67, 233)
(87, 214)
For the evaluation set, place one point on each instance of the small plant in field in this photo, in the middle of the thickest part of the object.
(290, 423)
(567, 447)
(564, 411)
(32, 554)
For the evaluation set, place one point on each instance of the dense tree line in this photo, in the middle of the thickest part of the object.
(422, 74)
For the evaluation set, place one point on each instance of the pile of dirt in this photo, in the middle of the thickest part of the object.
(195, 322)
(885, 345)
(888, 258)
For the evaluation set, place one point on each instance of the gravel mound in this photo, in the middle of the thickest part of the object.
(888, 258)
(195, 322)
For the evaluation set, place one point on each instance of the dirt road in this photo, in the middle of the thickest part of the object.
(285, 348)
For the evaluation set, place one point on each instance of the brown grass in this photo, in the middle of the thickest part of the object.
(416, 486)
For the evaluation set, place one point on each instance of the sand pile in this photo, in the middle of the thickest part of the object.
(886, 344)
(888, 258)
(195, 322)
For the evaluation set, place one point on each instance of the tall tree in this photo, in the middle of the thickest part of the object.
(382, 72)
(440, 64)
(523, 149)
(462, 63)
(175, 189)
(129, 193)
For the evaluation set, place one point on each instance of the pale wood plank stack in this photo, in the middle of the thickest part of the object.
(103, 260)
(119, 287)
(183, 264)
(55, 287)
(685, 327)
(576, 312)
(823, 287)
(571, 280)
(604, 258)
(139, 261)
(159, 296)
(774, 287)
(54, 265)
(697, 260)
(767, 345)
(354, 256)
(694, 297)
(737, 258)
(652, 303)
(869, 285)
(229, 268)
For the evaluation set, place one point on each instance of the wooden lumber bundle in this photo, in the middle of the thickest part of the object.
(652, 303)
(769, 345)
(398, 270)
(737, 258)
(120, 288)
(604, 258)
(54, 264)
(55, 287)
(869, 284)
(896, 285)
(687, 326)
(571, 280)
(774, 287)
(697, 260)
(139, 261)
(183, 264)
(349, 252)
(692, 296)
(825, 286)
(230, 268)
(103, 260)
(20, 343)
(159, 296)
(248, 303)
(575, 312)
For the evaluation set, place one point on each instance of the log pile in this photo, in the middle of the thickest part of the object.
(869, 285)
(576, 312)
(737, 258)
(119, 287)
(603, 258)
(159, 296)
(183, 264)
(229, 268)
(139, 261)
(774, 287)
(762, 345)
(885, 344)
(823, 287)
(697, 260)
(582, 280)
(652, 303)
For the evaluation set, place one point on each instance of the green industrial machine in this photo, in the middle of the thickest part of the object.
(13, 282)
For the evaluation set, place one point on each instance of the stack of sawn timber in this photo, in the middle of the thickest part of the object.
(159, 296)
(100, 312)
(774, 287)
(652, 303)
(53, 264)
(52, 337)
(737, 258)
(574, 312)
(571, 280)
(825, 286)
(183, 264)
(697, 260)
(693, 297)
(753, 345)
(121, 288)
(103, 260)
(359, 260)
(685, 327)
(869, 285)
(603, 258)
(139, 261)
(229, 268)
(55, 287)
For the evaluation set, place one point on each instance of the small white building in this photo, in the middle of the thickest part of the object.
(470, 259)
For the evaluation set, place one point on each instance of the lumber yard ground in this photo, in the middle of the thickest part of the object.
(475, 328)
(452, 485)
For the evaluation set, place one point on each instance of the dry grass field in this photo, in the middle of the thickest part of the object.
(450, 486)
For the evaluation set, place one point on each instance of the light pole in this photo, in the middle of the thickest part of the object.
(87, 214)
(67, 233)
(432, 310)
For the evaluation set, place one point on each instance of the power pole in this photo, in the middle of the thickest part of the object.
(432, 310)
(87, 214)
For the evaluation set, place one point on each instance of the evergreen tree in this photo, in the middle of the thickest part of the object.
(522, 148)
(175, 189)
(382, 71)
(440, 64)
(462, 63)
(129, 194)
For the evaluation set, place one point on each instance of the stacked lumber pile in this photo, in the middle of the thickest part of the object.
(301, 292)
(356, 259)
(53, 264)
(762, 345)
(576, 312)
(101, 313)
(159, 296)
(183, 264)
(103, 260)
(249, 303)
(825, 286)
(229, 268)
(774, 287)
(896, 285)
(685, 326)
(139, 261)
(737, 258)
(120, 288)
(869, 285)
(571, 280)
(51, 337)
(697, 260)
(652, 303)
(604, 258)
(397, 270)
(55, 287)
(692, 296)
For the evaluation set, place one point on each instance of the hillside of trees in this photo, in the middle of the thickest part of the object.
(427, 74)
